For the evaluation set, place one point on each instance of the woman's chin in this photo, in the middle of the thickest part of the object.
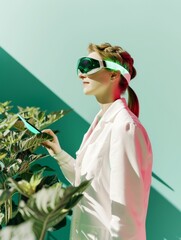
(86, 92)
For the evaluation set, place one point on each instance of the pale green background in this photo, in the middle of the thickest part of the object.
(47, 37)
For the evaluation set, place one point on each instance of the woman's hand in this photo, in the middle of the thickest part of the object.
(53, 146)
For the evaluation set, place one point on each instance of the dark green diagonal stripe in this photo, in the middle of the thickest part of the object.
(23, 89)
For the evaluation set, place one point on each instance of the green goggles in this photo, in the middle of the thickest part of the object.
(89, 66)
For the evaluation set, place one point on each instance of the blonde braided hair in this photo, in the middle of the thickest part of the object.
(118, 54)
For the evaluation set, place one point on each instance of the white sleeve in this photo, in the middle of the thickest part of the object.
(130, 179)
(67, 165)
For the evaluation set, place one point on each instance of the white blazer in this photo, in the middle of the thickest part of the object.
(117, 155)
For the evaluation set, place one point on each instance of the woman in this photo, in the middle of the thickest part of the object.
(115, 152)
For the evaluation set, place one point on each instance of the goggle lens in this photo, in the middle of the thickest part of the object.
(85, 64)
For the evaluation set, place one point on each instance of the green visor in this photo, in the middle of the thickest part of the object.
(89, 66)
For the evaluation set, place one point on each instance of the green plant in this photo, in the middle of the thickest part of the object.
(30, 194)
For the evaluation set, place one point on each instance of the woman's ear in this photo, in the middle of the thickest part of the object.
(115, 75)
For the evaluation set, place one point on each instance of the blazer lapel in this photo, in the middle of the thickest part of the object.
(91, 134)
(97, 126)
(89, 137)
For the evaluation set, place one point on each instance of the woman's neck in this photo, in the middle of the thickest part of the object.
(105, 106)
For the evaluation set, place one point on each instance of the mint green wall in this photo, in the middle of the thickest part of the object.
(47, 37)
(24, 89)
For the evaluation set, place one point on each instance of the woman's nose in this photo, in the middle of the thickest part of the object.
(82, 75)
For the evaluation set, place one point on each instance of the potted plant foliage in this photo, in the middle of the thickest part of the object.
(31, 195)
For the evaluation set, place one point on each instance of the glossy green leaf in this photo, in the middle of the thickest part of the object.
(50, 205)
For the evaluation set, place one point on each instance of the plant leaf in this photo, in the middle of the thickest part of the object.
(47, 181)
(1, 218)
(35, 141)
(4, 196)
(4, 106)
(27, 188)
(23, 187)
(53, 117)
(2, 155)
(20, 232)
(7, 123)
(36, 179)
(50, 205)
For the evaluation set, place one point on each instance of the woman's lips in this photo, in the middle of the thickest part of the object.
(85, 83)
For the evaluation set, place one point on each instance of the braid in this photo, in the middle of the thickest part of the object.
(118, 54)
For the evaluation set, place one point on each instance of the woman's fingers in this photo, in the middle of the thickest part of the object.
(47, 144)
(52, 146)
(49, 131)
